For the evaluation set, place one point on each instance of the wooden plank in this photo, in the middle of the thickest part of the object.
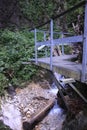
(60, 41)
(28, 125)
(68, 80)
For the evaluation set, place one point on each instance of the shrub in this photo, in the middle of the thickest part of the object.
(15, 47)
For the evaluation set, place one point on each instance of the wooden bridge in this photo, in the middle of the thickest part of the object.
(63, 64)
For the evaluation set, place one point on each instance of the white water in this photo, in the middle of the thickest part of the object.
(54, 89)
(55, 118)
(56, 109)
(11, 116)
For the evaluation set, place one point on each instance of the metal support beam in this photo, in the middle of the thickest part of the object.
(55, 32)
(44, 36)
(84, 61)
(51, 42)
(62, 45)
(65, 41)
(45, 40)
(35, 39)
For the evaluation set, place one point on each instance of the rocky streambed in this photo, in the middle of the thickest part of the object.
(26, 103)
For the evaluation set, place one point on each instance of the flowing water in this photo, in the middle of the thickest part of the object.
(11, 114)
(54, 120)
(56, 109)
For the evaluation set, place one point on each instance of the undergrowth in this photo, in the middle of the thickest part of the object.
(15, 48)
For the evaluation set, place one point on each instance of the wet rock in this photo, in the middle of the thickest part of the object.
(27, 126)
(28, 102)
(11, 90)
(26, 109)
(28, 114)
(78, 122)
(4, 127)
(37, 127)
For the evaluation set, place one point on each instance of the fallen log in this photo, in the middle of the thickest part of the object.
(29, 125)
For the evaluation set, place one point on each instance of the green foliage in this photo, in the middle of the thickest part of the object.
(3, 84)
(67, 49)
(72, 17)
(39, 11)
(16, 47)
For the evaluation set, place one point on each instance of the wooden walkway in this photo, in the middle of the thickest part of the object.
(63, 65)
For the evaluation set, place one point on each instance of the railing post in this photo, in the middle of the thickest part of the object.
(51, 42)
(84, 58)
(35, 39)
(62, 45)
(44, 36)
(45, 40)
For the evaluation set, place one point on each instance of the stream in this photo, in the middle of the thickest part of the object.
(14, 110)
